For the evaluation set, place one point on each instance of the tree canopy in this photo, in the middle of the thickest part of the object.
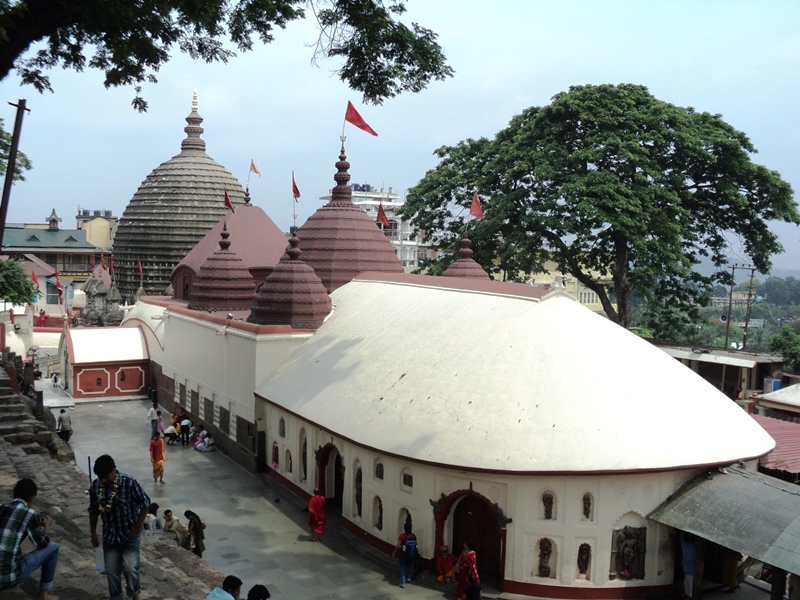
(624, 192)
(15, 285)
(130, 41)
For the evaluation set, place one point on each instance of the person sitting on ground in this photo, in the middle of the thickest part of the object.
(446, 565)
(206, 444)
(18, 521)
(172, 524)
(199, 434)
(258, 592)
(151, 521)
(231, 588)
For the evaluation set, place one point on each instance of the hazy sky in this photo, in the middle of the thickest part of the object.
(89, 148)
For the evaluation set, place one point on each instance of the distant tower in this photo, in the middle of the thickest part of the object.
(174, 207)
(340, 240)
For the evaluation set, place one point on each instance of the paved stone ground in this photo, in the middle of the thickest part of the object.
(255, 529)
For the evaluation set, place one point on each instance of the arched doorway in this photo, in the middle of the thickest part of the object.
(474, 518)
(330, 480)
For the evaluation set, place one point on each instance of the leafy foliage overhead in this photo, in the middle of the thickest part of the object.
(131, 39)
(16, 286)
(23, 163)
(625, 192)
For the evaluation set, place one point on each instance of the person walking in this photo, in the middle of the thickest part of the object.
(152, 416)
(197, 534)
(18, 521)
(407, 546)
(64, 425)
(316, 515)
(123, 505)
(157, 457)
(469, 582)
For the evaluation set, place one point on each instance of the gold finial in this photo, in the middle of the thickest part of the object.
(194, 100)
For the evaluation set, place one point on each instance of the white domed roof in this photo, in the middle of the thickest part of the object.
(493, 381)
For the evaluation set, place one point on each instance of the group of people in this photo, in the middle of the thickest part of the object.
(232, 587)
(124, 508)
(190, 536)
(180, 428)
(464, 569)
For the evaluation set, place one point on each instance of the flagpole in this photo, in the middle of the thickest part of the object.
(294, 211)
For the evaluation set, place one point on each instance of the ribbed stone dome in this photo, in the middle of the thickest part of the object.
(465, 266)
(223, 282)
(291, 295)
(340, 240)
(174, 207)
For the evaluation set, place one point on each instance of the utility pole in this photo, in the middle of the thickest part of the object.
(11, 167)
(730, 303)
(749, 304)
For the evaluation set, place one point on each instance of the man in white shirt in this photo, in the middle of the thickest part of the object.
(152, 415)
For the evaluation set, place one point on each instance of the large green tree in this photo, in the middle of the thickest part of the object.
(130, 40)
(16, 286)
(610, 183)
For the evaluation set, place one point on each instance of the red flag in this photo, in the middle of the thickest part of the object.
(111, 265)
(228, 203)
(352, 116)
(475, 210)
(295, 190)
(59, 288)
(94, 263)
(34, 279)
(382, 216)
(141, 272)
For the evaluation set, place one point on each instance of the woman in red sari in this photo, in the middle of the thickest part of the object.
(469, 583)
(316, 515)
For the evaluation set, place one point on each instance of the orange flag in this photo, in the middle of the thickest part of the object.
(382, 216)
(228, 203)
(141, 271)
(475, 209)
(352, 116)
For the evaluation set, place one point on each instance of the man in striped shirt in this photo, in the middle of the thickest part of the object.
(17, 521)
(123, 505)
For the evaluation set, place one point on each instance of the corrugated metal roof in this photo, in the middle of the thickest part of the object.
(736, 358)
(786, 455)
(722, 359)
(744, 510)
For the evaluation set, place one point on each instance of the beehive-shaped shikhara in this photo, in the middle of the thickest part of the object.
(174, 207)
